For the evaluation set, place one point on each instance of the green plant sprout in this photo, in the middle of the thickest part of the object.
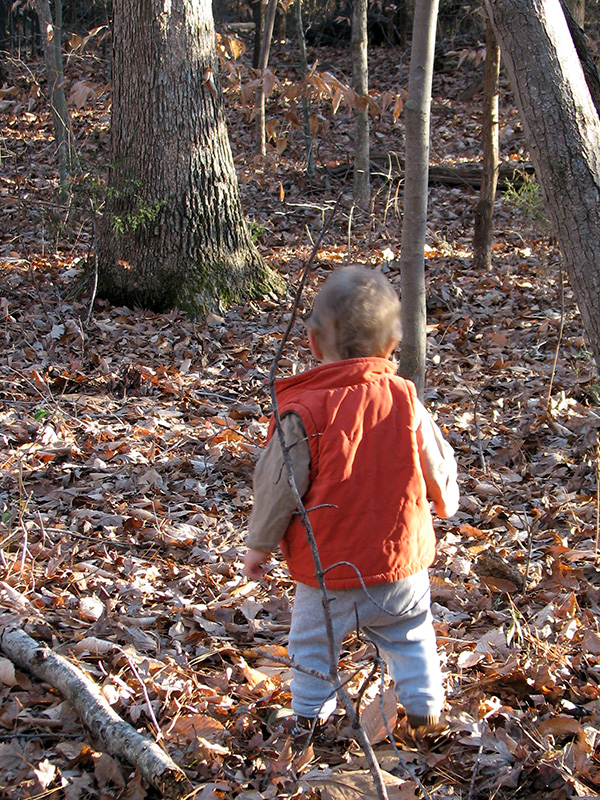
(527, 198)
(138, 219)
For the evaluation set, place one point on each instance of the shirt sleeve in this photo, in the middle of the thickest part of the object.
(437, 463)
(274, 501)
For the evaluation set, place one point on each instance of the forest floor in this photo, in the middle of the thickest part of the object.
(128, 440)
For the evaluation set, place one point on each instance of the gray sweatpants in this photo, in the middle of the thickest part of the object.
(403, 632)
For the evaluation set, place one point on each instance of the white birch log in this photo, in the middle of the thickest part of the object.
(117, 736)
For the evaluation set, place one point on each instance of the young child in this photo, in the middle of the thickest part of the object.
(366, 457)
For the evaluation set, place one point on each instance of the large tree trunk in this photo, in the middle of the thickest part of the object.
(562, 130)
(360, 77)
(173, 232)
(412, 255)
(484, 212)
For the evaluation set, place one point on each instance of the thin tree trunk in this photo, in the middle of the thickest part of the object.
(261, 135)
(577, 8)
(308, 138)
(482, 239)
(119, 738)
(258, 18)
(280, 25)
(412, 256)
(360, 76)
(562, 130)
(590, 70)
(61, 123)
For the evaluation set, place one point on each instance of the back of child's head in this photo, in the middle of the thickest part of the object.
(356, 314)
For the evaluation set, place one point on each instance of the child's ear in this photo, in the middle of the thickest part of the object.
(314, 345)
(392, 345)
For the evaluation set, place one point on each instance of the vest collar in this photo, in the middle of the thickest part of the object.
(337, 374)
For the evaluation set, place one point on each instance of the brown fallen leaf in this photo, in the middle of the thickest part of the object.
(107, 771)
(373, 720)
(348, 784)
(190, 726)
(558, 726)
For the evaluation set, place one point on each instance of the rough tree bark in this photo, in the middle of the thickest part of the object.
(172, 233)
(562, 130)
(412, 255)
(360, 78)
(484, 212)
(117, 736)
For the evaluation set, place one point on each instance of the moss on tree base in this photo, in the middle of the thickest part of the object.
(194, 290)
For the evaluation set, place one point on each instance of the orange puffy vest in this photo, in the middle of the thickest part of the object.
(367, 500)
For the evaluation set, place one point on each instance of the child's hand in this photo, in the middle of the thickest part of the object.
(254, 561)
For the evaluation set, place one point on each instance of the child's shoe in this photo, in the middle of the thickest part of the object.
(301, 730)
(425, 729)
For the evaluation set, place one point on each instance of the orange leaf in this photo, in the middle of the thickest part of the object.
(271, 129)
(398, 105)
(472, 532)
(498, 584)
(336, 99)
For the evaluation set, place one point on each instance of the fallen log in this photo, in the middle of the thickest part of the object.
(117, 736)
(391, 167)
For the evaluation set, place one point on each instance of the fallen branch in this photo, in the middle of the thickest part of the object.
(391, 167)
(117, 736)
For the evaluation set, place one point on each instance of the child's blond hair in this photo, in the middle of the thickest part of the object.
(356, 314)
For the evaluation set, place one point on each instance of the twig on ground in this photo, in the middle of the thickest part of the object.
(95, 250)
(559, 340)
(132, 667)
(477, 761)
(529, 552)
(478, 432)
(597, 492)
